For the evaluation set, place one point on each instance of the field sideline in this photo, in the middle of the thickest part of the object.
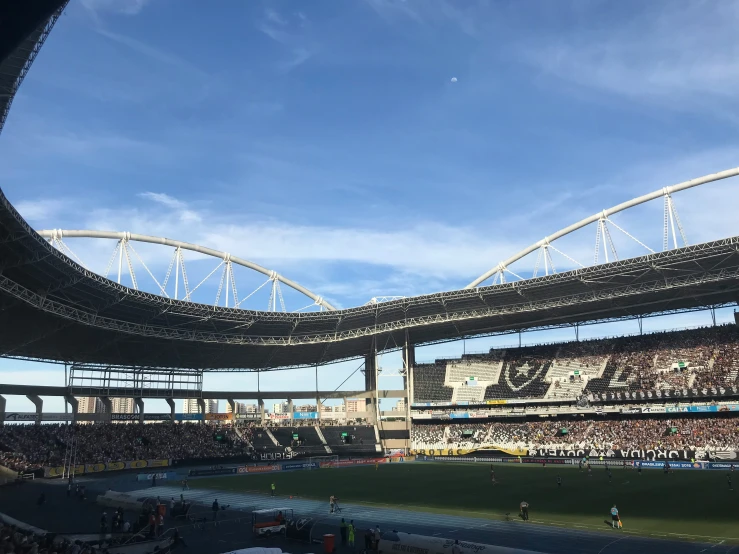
(690, 504)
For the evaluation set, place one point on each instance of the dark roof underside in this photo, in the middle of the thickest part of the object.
(24, 25)
(52, 308)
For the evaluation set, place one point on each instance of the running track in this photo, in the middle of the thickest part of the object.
(513, 534)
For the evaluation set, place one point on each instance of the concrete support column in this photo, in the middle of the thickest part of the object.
(74, 403)
(260, 401)
(140, 405)
(39, 406)
(290, 409)
(370, 372)
(232, 404)
(107, 409)
(2, 410)
(370, 385)
(346, 416)
(409, 362)
(372, 407)
(318, 407)
(201, 408)
(170, 401)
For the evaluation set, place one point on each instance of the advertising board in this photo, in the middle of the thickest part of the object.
(357, 462)
(31, 416)
(125, 417)
(218, 417)
(263, 469)
(305, 415)
(728, 466)
(188, 417)
(160, 476)
(215, 471)
(673, 465)
(298, 465)
(622, 454)
(157, 417)
(81, 469)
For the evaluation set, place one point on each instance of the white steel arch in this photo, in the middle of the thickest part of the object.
(671, 221)
(123, 237)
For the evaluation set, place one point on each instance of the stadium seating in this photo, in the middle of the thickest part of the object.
(28, 447)
(694, 433)
(363, 438)
(696, 359)
(47, 444)
(308, 440)
(261, 441)
(428, 382)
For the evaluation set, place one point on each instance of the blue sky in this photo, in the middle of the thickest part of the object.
(326, 140)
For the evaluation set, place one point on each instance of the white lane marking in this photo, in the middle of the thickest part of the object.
(611, 543)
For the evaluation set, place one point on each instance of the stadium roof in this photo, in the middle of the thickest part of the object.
(52, 308)
(24, 27)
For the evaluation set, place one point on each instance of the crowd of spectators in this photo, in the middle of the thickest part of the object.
(47, 445)
(696, 358)
(14, 540)
(17, 462)
(701, 358)
(714, 433)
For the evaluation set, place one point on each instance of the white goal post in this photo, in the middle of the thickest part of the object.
(318, 462)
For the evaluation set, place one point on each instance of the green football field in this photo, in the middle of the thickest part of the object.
(693, 504)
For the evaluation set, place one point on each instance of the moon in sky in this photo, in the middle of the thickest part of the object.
(454, 79)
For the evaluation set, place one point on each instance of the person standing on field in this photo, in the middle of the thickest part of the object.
(614, 517)
(342, 531)
(351, 534)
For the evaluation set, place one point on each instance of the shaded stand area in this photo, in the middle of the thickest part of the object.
(71, 516)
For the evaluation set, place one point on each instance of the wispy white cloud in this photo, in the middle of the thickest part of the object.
(391, 9)
(273, 17)
(164, 199)
(432, 12)
(153, 53)
(292, 34)
(185, 214)
(672, 53)
(300, 56)
(39, 210)
(125, 7)
(426, 255)
(87, 147)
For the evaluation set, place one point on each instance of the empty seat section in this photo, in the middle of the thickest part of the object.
(428, 384)
(344, 439)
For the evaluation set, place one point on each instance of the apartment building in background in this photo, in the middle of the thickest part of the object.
(356, 405)
(190, 406)
(242, 408)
